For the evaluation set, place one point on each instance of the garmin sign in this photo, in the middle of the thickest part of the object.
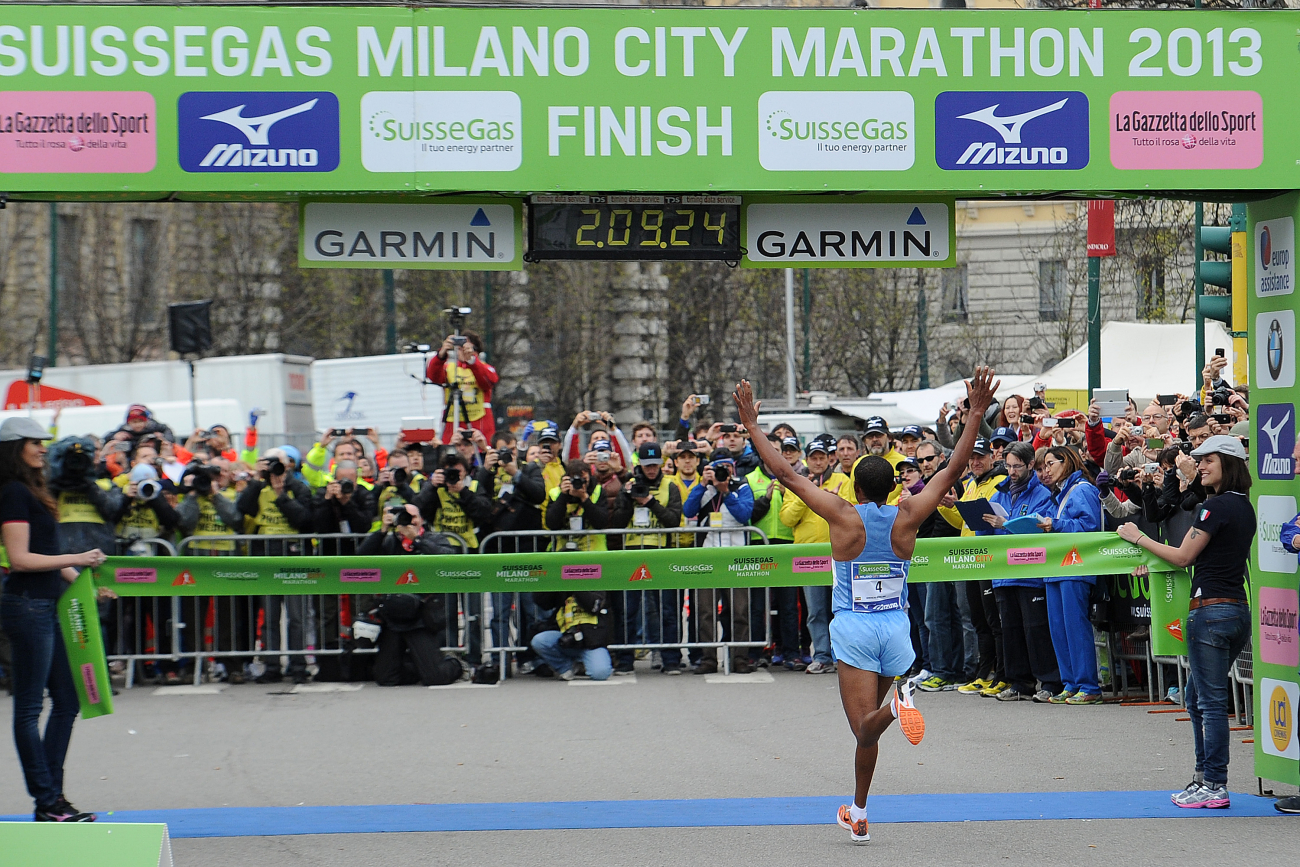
(462, 235)
(811, 233)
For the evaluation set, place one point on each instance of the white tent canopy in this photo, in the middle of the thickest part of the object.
(1147, 359)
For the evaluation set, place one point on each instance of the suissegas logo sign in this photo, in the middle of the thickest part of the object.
(386, 127)
(802, 131)
(441, 131)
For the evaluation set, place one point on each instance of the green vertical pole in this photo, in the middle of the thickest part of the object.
(488, 336)
(922, 341)
(1199, 287)
(807, 330)
(1094, 323)
(390, 311)
(52, 346)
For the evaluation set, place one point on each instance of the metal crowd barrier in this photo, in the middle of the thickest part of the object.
(644, 620)
(204, 633)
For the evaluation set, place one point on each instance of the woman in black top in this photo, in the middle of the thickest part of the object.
(38, 575)
(1218, 622)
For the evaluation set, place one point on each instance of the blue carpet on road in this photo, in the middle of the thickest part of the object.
(717, 812)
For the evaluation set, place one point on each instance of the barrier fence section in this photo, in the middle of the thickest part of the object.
(180, 638)
(498, 616)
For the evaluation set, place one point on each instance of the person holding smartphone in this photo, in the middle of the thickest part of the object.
(1217, 547)
(38, 576)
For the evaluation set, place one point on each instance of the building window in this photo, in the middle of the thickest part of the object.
(1151, 289)
(956, 293)
(1053, 294)
(144, 268)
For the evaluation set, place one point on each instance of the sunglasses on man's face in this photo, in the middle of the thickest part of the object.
(929, 458)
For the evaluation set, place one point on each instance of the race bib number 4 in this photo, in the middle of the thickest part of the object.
(878, 586)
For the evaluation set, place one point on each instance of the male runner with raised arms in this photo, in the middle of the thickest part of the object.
(871, 546)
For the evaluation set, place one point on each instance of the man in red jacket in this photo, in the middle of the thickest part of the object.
(460, 370)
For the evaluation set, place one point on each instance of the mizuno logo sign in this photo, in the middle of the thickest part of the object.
(1274, 427)
(1011, 130)
(1009, 127)
(257, 129)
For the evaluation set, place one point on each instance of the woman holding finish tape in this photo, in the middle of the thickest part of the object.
(1218, 620)
(37, 577)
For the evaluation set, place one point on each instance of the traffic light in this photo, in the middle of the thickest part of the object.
(1216, 239)
(1229, 309)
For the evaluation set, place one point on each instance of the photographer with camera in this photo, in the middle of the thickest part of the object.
(577, 503)
(732, 440)
(452, 503)
(603, 428)
(724, 500)
(89, 505)
(344, 506)
(279, 504)
(578, 643)
(466, 379)
(650, 500)
(148, 514)
(411, 628)
(318, 465)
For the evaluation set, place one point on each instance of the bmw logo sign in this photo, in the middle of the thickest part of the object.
(1276, 349)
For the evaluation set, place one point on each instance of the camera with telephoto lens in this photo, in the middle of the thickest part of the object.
(1222, 396)
(275, 467)
(722, 472)
(577, 483)
(1128, 475)
(401, 476)
(505, 456)
(637, 489)
(451, 475)
(347, 486)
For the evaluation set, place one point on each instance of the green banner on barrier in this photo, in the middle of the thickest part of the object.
(79, 618)
(267, 102)
(956, 559)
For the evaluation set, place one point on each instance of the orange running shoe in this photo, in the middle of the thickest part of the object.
(857, 830)
(909, 718)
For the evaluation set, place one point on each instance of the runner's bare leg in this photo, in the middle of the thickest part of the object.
(863, 694)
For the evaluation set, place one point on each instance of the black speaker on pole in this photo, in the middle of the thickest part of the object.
(190, 327)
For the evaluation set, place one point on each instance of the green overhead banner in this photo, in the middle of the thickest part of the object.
(268, 102)
(958, 559)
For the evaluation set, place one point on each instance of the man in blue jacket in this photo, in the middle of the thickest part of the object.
(723, 500)
(1029, 657)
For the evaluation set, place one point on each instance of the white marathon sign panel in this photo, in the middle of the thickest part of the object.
(484, 235)
(819, 234)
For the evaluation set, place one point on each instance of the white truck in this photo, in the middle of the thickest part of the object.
(373, 391)
(94, 397)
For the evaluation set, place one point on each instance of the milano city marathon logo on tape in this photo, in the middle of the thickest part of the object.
(1011, 130)
(258, 132)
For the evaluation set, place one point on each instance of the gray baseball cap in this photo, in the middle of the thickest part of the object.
(1219, 443)
(22, 428)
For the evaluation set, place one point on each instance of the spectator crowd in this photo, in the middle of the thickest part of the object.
(591, 486)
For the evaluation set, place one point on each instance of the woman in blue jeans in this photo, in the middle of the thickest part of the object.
(1077, 509)
(1218, 619)
(38, 575)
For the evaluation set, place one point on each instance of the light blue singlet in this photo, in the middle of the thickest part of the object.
(870, 630)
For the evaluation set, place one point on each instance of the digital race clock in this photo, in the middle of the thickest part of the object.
(626, 227)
